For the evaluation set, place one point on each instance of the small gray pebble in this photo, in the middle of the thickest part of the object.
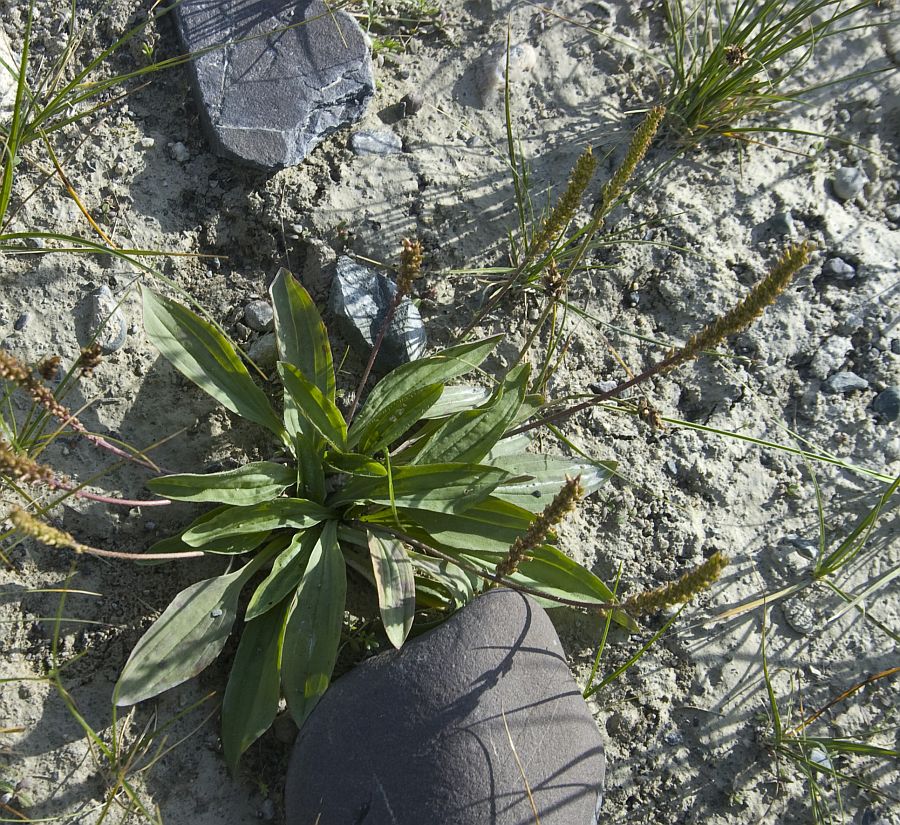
(632, 299)
(848, 182)
(887, 403)
(259, 315)
(895, 346)
(799, 616)
(839, 268)
(372, 142)
(264, 351)
(673, 738)
(22, 321)
(267, 810)
(411, 103)
(604, 386)
(807, 547)
(107, 325)
(782, 223)
(845, 382)
(893, 212)
(180, 152)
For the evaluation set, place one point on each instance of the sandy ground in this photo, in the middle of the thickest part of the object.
(687, 727)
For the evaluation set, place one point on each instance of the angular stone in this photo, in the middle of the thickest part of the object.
(848, 182)
(360, 298)
(259, 316)
(375, 142)
(264, 351)
(839, 268)
(845, 382)
(108, 325)
(782, 223)
(431, 733)
(268, 100)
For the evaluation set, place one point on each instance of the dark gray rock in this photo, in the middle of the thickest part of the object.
(259, 316)
(420, 735)
(846, 382)
(268, 100)
(848, 182)
(411, 103)
(108, 326)
(360, 298)
(22, 321)
(375, 142)
(887, 403)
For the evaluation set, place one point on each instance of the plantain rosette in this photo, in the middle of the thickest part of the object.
(422, 458)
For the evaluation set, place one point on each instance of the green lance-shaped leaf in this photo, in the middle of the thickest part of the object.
(286, 573)
(316, 407)
(553, 572)
(440, 368)
(354, 464)
(270, 515)
(201, 353)
(253, 690)
(444, 488)
(488, 527)
(396, 418)
(313, 630)
(469, 436)
(251, 484)
(309, 449)
(458, 398)
(459, 585)
(186, 638)
(396, 585)
(229, 545)
(535, 479)
(300, 333)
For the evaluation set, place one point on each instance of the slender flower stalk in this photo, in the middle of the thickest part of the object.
(792, 260)
(410, 270)
(681, 590)
(25, 469)
(640, 143)
(11, 369)
(54, 537)
(567, 205)
(521, 549)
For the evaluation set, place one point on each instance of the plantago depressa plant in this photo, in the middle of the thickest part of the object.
(421, 460)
